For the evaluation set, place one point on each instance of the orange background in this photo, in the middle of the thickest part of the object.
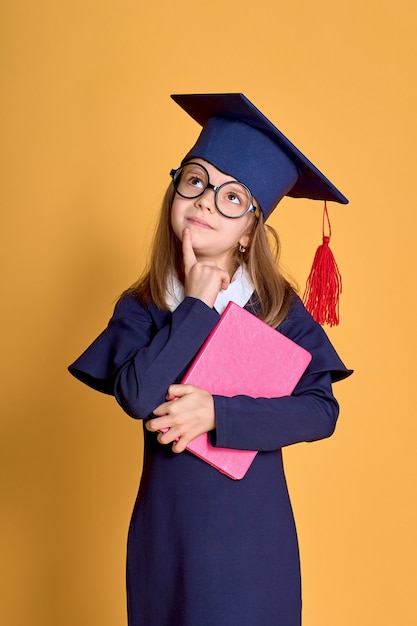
(89, 135)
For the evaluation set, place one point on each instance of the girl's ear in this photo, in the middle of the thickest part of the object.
(247, 237)
(244, 241)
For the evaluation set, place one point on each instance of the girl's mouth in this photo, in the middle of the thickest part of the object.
(196, 221)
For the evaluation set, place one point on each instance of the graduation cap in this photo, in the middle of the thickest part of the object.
(240, 141)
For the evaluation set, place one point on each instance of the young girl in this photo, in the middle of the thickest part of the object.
(203, 549)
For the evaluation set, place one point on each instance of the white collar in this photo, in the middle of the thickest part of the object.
(239, 291)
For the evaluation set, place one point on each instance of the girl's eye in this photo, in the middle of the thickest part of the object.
(195, 181)
(233, 197)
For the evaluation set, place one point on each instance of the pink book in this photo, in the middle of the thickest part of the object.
(243, 356)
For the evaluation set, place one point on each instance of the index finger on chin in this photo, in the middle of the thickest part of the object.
(188, 254)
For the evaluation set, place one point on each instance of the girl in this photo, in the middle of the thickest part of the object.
(205, 550)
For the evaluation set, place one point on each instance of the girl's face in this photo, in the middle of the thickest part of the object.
(214, 237)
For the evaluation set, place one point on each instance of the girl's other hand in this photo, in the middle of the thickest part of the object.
(203, 279)
(191, 415)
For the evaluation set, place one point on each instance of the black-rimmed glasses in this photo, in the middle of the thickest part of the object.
(232, 199)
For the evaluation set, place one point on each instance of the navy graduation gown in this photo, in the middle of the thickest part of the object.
(203, 549)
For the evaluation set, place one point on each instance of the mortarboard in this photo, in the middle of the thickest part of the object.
(240, 141)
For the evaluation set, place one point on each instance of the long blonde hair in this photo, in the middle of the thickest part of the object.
(272, 289)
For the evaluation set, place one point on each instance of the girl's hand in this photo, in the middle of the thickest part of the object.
(203, 280)
(188, 413)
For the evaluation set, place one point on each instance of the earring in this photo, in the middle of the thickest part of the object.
(242, 249)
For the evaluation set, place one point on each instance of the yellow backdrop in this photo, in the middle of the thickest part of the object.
(89, 135)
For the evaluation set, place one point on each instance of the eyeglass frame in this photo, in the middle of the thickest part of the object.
(216, 188)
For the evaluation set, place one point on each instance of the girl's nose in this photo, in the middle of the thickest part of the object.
(206, 201)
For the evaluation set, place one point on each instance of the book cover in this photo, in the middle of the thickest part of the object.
(243, 356)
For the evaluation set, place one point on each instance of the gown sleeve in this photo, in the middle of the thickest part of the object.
(309, 414)
(143, 351)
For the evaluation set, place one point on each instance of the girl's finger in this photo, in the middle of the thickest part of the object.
(188, 253)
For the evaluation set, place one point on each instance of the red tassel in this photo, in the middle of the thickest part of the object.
(324, 284)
